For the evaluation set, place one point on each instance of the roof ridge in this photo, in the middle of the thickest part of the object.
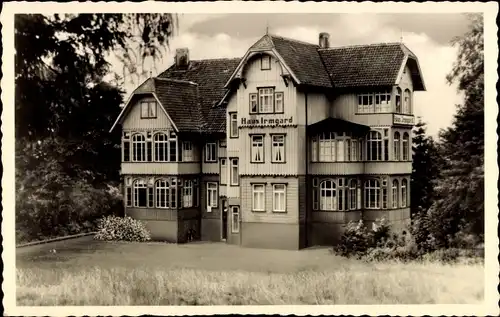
(216, 59)
(360, 45)
(292, 40)
(177, 80)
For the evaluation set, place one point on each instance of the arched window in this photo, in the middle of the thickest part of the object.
(327, 147)
(398, 100)
(372, 194)
(397, 146)
(395, 191)
(374, 146)
(140, 193)
(406, 146)
(162, 187)
(404, 196)
(161, 147)
(328, 197)
(138, 148)
(352, 194)
(407, 102)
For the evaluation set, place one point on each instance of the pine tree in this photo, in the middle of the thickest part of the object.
(424, 170)
(459, 207)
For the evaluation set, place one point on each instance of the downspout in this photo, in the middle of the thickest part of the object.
(307, 178)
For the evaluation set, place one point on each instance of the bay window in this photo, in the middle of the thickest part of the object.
(162, 193)
(328, 197)
(258, 197)
(327, 147)
(374, 146)
(352, 194)
(398, 100)
(397, 146)
(406, 146)
(407, 102)
(404, 195)
(395, 193)
(140, 193)
(257, 150)
(279, 197)
(138, 148)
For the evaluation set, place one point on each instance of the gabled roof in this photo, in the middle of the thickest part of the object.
(210, 75)
(368, 65)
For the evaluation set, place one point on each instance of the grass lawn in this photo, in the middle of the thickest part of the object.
(87, 272)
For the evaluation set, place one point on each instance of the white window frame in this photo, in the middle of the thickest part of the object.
(138, 154)
(372, 190)
(397, 146)
(235, 177)
(257, 147)
(259, 190)
(399, 100)
(278, 147)
(211, 157)
(235, 223)
(265, 65)
(374, 141)
(407, 101)
(381, 106)
(365, 103)
(253, 99)
(395, 193)
(162, 189)
(327, 147)
(352, 194)
(212, 196)
(148, 109)
(406, 146)
(328, 203)
(404, 193)
(266, 94)
(187, 194)
(233, 125)
(279, 197)
(279, 103)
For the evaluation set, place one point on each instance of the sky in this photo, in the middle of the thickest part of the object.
(427, 35)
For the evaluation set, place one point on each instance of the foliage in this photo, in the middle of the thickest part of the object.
(66, 159)
(114, 228)
(357, 238)
(425, 170)
(459, 203)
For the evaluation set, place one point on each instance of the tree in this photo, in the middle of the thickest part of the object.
(424, 170)
(459, 207)
(65, 157)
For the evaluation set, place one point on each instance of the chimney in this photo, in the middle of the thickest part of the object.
(324, 40)
(182, 57)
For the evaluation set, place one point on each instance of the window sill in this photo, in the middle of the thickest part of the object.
(259, 211)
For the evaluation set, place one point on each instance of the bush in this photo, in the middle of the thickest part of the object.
(358, 239)
(114, 228)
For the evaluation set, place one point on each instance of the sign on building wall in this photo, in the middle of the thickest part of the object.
(266, 121)
(402, 119)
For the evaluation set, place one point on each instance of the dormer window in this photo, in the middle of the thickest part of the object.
(148, 109)
(265, 62)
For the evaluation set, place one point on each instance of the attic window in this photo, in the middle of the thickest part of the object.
(148, 109)
(265, 62)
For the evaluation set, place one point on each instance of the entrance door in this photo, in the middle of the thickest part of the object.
(224, 219)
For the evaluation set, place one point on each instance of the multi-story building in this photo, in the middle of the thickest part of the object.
(280, 148)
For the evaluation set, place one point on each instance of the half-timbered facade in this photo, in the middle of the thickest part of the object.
(280, 148)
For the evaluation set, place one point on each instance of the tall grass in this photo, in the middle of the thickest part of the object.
(384, 283)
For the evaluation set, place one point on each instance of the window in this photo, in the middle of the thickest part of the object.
(223, 171)
(406, 147)
(210, 152)
(397, 146)
(234, 172)
(314, 150)
(258, 197)
(161, 147)
(278, 149)
(162, 193)
(352, 194)
(140, 193)
(265, 62)
(235, 219)
(395, 191)
(328, 199)
(266, 100)
(383, 101)
(187, 151)
(187, 194)
(327, 147)
(173, 194)
(148, 109)
(257, 150)
(126, 147)
(315, 193)
(233, 124)
(212, 196)
(222, 143)
(398, 100)
(138, 148)
(150, 197)
(407, 102)
(374, 146)
(365, 103)
(372, 194)
(278, 99)
(172, 144)
(253, 103)
(384, 197)
(128, 194)
(279, 197)
(404, 196)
